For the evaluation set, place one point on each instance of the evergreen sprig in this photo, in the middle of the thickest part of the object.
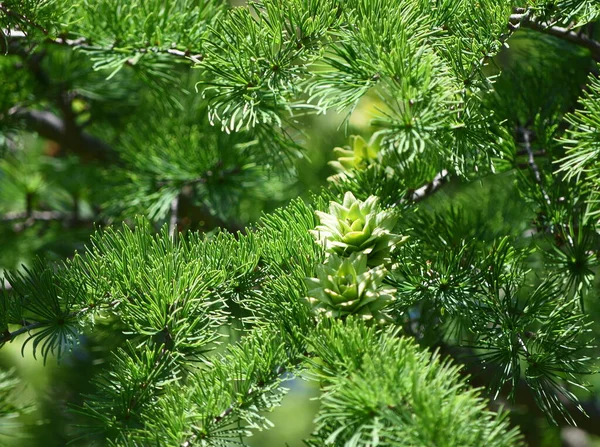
(208, 327)
(378, 390)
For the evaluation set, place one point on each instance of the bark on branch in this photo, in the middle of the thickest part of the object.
(50, 126)
(426, 190)
(566, 34)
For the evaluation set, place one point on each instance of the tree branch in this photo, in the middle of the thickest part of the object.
(9, 336)
(84, 44)
(21, 18)
(28, 326)
(426, 190)
(51, 127)
(562, 33)
(65, 130)
(481, 376)
(526, 134)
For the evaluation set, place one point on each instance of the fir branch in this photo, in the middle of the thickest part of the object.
(378, 385)
(14, 37)
(27, 326)
(566, 34)
(84, 45)
(253, 393)
(228, 399)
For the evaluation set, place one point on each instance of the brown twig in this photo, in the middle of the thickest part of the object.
(580, 39)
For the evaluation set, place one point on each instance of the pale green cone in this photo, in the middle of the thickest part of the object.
(346, 286)
(358, 227)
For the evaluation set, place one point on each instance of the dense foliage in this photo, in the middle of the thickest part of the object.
(174, 239)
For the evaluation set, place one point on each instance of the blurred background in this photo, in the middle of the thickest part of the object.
(53, 195)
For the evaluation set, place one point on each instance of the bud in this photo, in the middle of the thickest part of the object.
(358, 156)
(346, 286)
(358, 227)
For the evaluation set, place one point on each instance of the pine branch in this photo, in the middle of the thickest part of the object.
(8, 336)
(82, 44)
(251, 394)
(567, 34)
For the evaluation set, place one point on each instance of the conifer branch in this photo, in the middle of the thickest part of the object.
(21, 18)
(85, 44)
(482, 376)
(566, 34)
(8, 336)
(28, 326)
(178, 291)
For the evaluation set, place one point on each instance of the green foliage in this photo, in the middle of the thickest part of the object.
(378, 390)
(32, 16)
(188, 121)
(581, 161)
(567, 11)
(141, 33)
(257, 55)
(10, 407)
(218, 171)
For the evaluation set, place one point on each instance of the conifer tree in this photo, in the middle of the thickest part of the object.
(167, 240)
